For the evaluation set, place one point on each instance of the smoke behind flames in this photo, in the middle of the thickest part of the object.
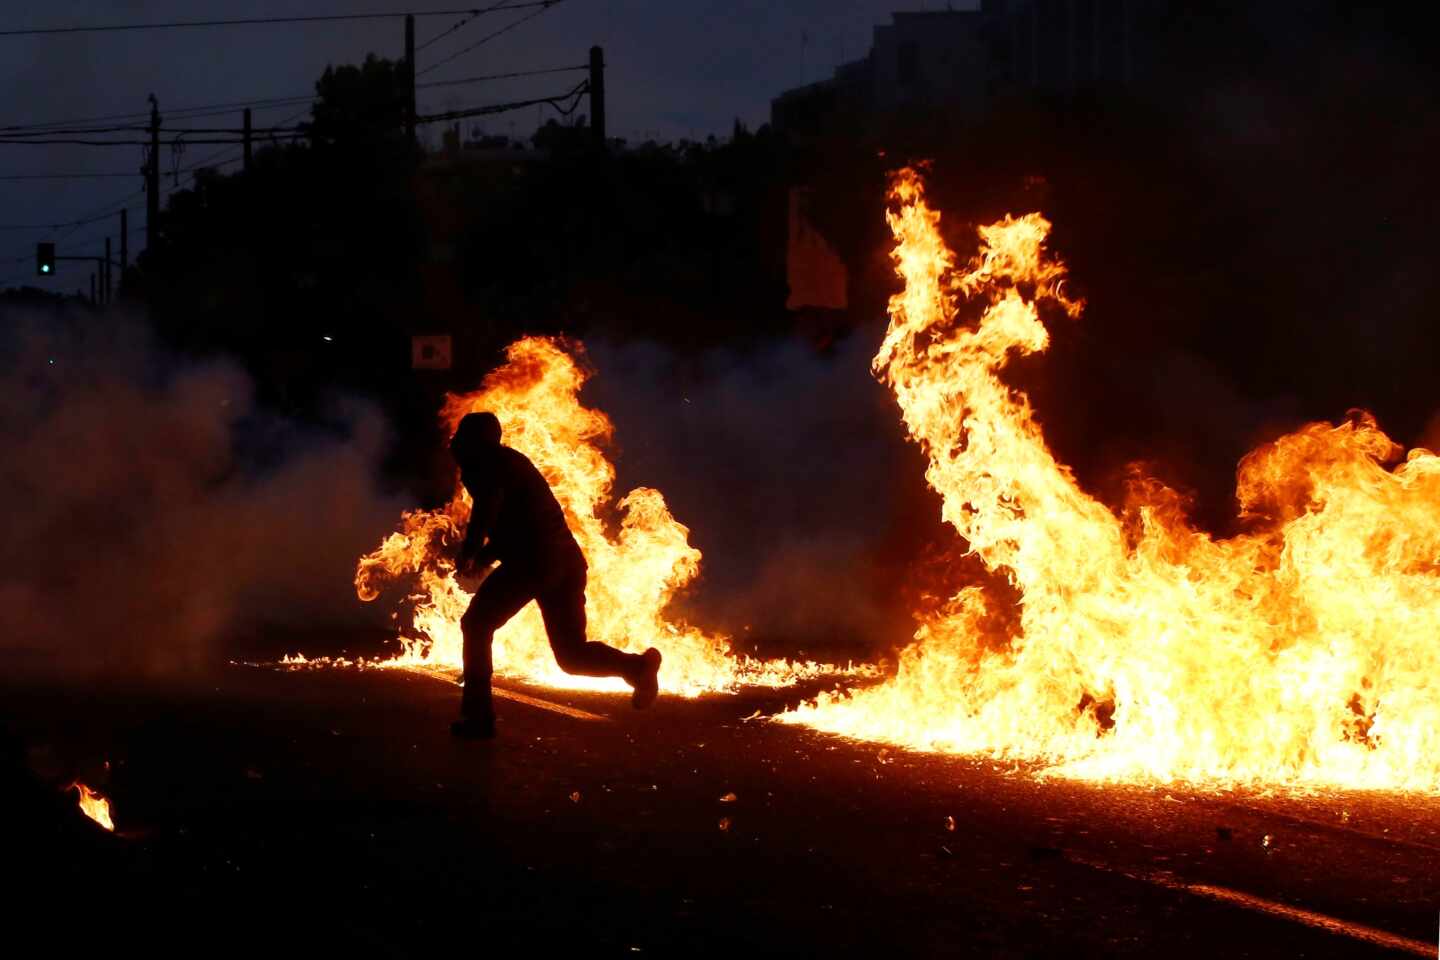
(791, 470)
(155, 511)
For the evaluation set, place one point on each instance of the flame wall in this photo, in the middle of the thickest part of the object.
(1299, 653)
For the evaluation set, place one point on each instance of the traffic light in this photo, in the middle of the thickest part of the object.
(45, 259)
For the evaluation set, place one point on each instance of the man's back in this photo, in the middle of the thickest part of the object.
(529, 524)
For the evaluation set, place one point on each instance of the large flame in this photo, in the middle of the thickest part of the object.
(1304, 652)
(635, 567)
(94, 805)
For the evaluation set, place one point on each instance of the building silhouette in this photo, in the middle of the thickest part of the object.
(962, 63)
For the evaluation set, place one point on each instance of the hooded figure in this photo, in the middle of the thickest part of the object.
(515, 520)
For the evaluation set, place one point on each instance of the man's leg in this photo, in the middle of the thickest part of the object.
(562, 605)
(503, 593)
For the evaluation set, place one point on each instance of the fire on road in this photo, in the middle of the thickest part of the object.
(693, 828)
(1298, 654)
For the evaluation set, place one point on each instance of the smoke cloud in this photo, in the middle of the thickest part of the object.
(155, 512)
(791, 470)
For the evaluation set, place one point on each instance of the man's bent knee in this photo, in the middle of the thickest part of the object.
(571, 662)
(476, 625)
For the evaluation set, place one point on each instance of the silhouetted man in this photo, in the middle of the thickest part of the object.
(515, 519)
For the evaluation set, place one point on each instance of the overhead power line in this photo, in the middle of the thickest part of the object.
(101, 213)
(268, 134)
(491, 36)
(459, 25)
(181, 113)
(92, 131)
(63, 176)
(174, 135)
(269, 103)
(78, 222)
(113, 209)
(293, 133)
(230, 156)
(259, 21)
(574, 97)
(500, 76)
(559, 103)
(67, 223)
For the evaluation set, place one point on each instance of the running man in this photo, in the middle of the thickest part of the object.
(516, 520)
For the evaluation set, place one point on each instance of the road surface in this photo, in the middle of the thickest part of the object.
(270, 812)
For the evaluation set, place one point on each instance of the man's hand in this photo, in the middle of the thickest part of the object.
(465, 559)
(468, 564)
(464, 565)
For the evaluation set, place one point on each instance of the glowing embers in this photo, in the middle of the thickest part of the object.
(636, 565)
(94, 805)
(1300, 653)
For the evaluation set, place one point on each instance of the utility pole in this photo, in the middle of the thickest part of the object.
(92, 289)
(246, 164)
(152, 179)
(108, 288)
(597, 95)
(410, 77)
(124, 244)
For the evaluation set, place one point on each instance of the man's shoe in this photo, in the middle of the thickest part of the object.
(647, 680)
(471, 728)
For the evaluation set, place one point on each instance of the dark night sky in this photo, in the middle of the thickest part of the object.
(685, 69)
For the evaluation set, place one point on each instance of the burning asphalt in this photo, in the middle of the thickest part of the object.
(317, 809)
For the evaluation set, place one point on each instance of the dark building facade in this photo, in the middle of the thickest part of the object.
(962, 62)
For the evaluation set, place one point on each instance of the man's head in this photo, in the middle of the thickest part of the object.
(476, 435)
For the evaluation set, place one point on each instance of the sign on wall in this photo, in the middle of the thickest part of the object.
(430, 352)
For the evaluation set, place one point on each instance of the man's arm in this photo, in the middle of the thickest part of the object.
(484, 511)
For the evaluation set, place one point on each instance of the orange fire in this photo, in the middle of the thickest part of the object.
(636, 565)
(94, 805)
(1302, 653)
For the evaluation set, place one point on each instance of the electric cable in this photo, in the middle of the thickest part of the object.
(491, 36)
(271, 103)
(257, 21)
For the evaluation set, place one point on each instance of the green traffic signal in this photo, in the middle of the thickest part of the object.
(44, 259)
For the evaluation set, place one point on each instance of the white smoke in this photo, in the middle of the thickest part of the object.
(143, 527)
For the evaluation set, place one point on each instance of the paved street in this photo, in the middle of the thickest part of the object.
(330, 810)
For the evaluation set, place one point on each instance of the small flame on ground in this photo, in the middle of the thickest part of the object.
(1302, 653)
(94, 805)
